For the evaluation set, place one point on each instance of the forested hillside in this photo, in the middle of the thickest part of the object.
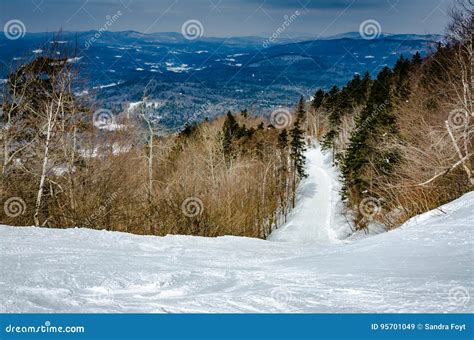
(67, 165)
(403, 140)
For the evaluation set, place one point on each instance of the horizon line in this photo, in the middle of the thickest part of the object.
(263, 36)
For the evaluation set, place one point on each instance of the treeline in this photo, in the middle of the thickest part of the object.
(403, 141)
(66, 164)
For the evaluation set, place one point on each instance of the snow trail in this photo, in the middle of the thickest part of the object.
(313, 219)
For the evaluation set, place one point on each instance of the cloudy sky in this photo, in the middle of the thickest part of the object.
(229, 17)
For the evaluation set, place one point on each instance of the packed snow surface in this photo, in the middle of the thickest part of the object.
(306, 266)
(317, 218)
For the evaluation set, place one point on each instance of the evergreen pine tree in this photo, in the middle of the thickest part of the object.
(230, 129)
(416, 60)
(375, 120)
(364, 91)
(301, 110)
(297, 149)
(336, 104)
(331, 98)
(282, 139)
(282, 170)
(352, 91)
(318, 99)
(401, 72)
(188, 129)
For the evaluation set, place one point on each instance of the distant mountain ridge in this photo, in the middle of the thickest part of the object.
(397, 36)
(284, 38)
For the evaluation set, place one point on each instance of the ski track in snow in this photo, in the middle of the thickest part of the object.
(424, 266)
(312, 219)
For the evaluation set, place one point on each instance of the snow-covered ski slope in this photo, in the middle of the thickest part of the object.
(424, 266)
(313, 219)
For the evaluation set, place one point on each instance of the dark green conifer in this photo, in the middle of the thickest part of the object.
(301, 110)
(318, 99)
(230, 129)
(416, 60)
(297, 149)
(375, 121)
(282, 139)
